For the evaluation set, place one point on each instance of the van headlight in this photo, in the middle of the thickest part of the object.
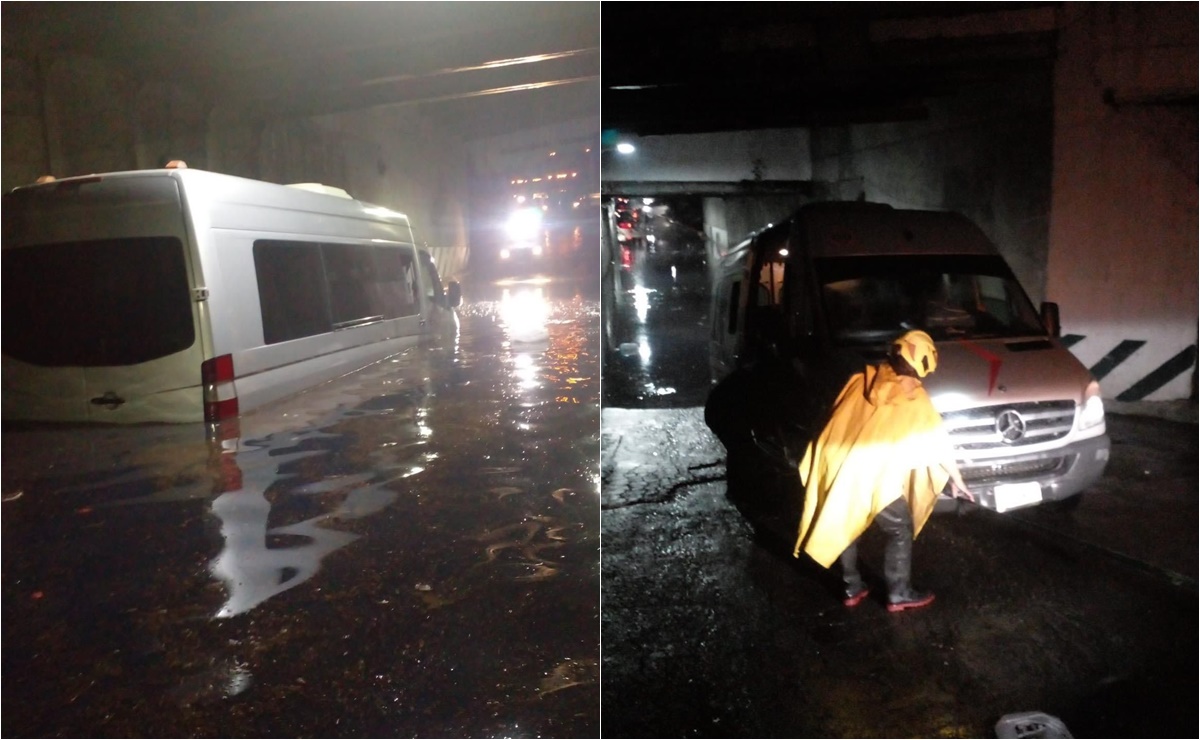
(1092, 413)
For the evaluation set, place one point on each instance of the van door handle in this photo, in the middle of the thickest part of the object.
(109, 399)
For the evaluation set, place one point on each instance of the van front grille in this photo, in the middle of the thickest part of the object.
(1009, 426)
(1013, 472)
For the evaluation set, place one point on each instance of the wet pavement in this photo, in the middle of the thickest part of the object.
(661, 332)
(711, 629)
(411, 550)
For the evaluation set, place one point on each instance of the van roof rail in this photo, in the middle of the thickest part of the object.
(316, 187)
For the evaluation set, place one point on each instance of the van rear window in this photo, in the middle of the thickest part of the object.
(98, 303)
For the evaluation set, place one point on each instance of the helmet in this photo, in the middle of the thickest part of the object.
(918, 350)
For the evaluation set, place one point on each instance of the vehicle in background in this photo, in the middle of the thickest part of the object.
(626, 228)
(627, 220)
(179, 295)
(525, 238)
(802, 304)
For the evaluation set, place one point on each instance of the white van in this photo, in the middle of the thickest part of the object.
(179, 295)
(800, 305)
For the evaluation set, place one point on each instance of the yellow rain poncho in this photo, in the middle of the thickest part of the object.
(879, 444)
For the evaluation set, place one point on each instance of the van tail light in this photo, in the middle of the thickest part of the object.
(220, 394)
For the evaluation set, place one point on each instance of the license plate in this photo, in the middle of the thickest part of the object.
(1013, 495)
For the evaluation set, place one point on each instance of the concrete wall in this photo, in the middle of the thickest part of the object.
(1123, 229)
(25, 154)
(730, 219)
(984, 153)
(74, 115)
(401, 158)
(776, 154)
(499, 156)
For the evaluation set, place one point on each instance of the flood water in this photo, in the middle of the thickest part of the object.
(412, 550)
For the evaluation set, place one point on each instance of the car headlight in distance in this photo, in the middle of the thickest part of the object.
(504, 254)
(537, 250)
(524, 224)
(1092, 413)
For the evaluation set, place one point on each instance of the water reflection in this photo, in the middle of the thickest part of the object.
(423, 534)
(527, 372)
(525, 311)
(250, 568)
(641, 302)
(548, 360)
(259, 561)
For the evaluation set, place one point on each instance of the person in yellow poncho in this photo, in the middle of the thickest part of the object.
(883, 457)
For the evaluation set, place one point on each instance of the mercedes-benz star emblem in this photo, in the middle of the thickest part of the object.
(1010, 425)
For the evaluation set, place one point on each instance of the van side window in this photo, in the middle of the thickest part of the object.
(770, 282)
(306, 288)
(352, 280)
(767, 320)
(734, 294)
(393, 286)
(291, 290)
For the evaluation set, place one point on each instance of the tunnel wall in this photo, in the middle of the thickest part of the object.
(1123, 226)
(773, 154)
(730, 219)
(75, 115)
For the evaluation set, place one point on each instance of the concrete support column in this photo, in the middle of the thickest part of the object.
(1123, 222)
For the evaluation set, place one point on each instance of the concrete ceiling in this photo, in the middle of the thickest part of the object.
(485, 69)
(718, 66)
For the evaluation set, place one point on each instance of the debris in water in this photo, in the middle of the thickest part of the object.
(1031, 725)
(568, 674)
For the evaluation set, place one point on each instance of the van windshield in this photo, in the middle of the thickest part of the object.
(869, 300)
(96, 303)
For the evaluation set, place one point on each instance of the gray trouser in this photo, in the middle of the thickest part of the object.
(896, 522)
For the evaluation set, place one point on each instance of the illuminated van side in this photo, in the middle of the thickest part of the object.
(179, 295)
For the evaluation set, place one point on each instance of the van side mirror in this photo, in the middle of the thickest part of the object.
(1050, 319)
(453, 294)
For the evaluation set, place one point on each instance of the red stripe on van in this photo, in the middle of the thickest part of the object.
(994, 362)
